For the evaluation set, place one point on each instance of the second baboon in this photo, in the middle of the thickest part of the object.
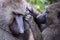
(52, 32)
(40, 19)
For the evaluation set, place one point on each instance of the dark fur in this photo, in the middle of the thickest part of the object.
(52, 32)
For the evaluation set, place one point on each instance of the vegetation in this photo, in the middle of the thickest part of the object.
(39, 4)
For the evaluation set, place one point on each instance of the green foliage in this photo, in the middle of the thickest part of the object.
(39, 4)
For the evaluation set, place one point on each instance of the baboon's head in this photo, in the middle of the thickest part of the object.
(11, 12)
(52, 13)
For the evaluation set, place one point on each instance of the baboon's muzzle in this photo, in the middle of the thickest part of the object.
(42, 18)
(19, 20)
(17, 26)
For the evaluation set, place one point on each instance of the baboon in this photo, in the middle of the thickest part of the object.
(11, 17)
(52, 17)
(52, 32)
(12, 13)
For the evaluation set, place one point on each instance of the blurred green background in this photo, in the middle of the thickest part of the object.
(40, 4)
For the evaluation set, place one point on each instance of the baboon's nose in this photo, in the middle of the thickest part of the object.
(42, 18)
(19, 20)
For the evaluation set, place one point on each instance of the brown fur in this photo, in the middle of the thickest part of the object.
(52, 32)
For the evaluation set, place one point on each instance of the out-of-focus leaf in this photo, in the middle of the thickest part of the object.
(39, 4)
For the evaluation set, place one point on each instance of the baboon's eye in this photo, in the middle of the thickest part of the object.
(58, 15)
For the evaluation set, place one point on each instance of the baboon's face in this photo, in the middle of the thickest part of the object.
(11, 12)
(52, 13)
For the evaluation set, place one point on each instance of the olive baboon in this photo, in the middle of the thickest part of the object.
(51, 15)
(12, 14)
(52, 32)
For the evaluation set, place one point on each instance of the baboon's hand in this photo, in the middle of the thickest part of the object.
(31, 12)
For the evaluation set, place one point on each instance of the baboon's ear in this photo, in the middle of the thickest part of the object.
(58, 14)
